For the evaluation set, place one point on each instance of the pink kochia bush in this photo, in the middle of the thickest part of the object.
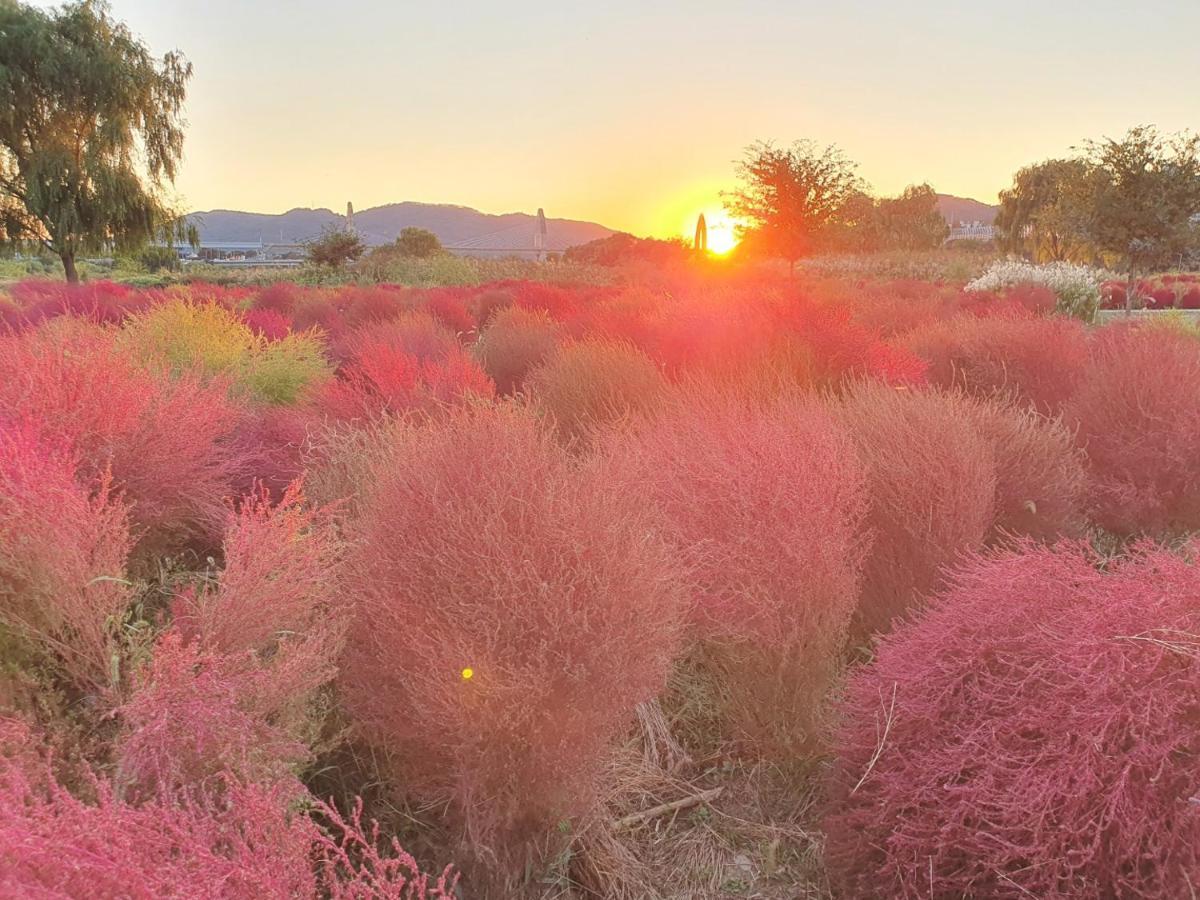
(1040, 480)
(165, 441)
(230, 687)
(1040, 360)
(931, 477)
(1031, 734)
(764, 503)
(1138, 421)
(238, 842)
(63, 548)
(512, 609)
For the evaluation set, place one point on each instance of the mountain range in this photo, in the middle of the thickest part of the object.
(459, 228)
(964, 209)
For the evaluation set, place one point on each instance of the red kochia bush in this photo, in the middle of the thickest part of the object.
(239, 841)
(1040, 360)
(1032, 734)
(512, 608)
(1138, 421)
(931, 477)
(764, 504)
(63, 548)
(164, 440)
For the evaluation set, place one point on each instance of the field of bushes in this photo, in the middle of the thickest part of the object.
(709, 585)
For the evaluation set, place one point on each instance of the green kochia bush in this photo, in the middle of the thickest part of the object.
(512, 609)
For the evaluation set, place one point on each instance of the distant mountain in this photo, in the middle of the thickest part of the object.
(964, 209)
(458, 227)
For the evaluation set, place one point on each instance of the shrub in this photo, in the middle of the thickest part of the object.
(238, 841)
(1040, 360)
(165, 441)
(1138, 421)
(931, 478)
(275, 607)
(62, 558)
(282, 371)
(267, 323)
(1032, 733)
(1076, 287)
(196, 716)
(511, 611)
(187, 336)
(416, 334)
(384, 380)
(764, 505)
(1040, 480)
(589, 384)
(515, 342)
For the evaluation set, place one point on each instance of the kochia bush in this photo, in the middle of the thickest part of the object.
(63, 547)
(764, 504)
(1138, 421)
(165, 441)
(589, 384)
(512, 608)
(1042, 361)
(516, 341)
(1032, 733)
(931, 477)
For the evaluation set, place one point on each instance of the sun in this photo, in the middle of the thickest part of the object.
(722, 230)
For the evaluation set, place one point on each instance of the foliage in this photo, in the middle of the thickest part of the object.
(589, 384)
(1146, 193)
(1031, 734)
(764, 504)
(908, 223)
(790, 201)
(418, 243)
(1042, 216)
(335, 248)
(1077, 287)
(228, 840)
(931, 477)
(1039, 360)
(505, 626)
(89, 131)
(1041, 485)
(515, 342)
(63, 548)
(1139, 423)
(163, 440)
(622, 249)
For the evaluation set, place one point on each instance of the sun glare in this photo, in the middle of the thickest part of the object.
(722, 234)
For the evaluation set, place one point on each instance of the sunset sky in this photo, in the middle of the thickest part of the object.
(633, 113)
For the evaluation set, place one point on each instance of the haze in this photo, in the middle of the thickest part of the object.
(632, 113)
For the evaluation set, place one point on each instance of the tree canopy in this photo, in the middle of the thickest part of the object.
(790, 201)
(418, 242)
(1130, 202)
(336, 247)
(91, 130)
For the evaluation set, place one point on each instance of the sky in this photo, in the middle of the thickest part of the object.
(633, 113)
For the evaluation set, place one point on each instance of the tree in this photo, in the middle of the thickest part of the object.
(911, 221)
(336, 247)
(791, 200)
(1144, 196)
(1044, 215)
(419, 243)
(90, 130)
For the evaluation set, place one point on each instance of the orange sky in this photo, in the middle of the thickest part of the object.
(633, 113)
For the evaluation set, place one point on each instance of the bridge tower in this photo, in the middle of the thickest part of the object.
(539, 235)
(349, 216)
(700, 242)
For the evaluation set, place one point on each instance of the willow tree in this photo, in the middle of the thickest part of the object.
(91, 131)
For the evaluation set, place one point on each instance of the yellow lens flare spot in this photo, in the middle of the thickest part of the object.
(468, 673)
